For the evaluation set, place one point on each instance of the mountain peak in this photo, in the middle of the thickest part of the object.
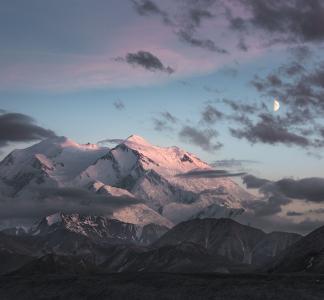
(137, 139)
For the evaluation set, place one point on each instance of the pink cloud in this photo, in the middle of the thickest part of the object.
(72, 72)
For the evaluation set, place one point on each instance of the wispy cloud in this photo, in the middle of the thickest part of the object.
(110, 141)
(209, 174)
(233, 163)
(68, 200)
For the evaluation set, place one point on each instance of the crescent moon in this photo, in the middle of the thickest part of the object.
(276, 105)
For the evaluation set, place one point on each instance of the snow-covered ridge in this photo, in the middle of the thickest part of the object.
(136, 155)
(55, 161)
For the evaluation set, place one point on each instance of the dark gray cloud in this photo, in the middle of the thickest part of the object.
(291, 69)
(282, 192)
(197, 15)
(233, 163)
(161, 125)
(288, 22)
(269, 206)
(300, 88)
(210, 115)
(242, 45)
(189, 38)
(184, 23)
(241, 107)
(283, 21)
(68, 200)
(257, 124)
(16, 127)
(147, 61)
(164, 121)
(310, 189)
(110, 141)
(209, 174)
(147, 8)
(119, 104)
(270, 130)
(86, 197)
(317, 211)
(169, 117)
(294, 214)
(203, 138)
(273, 81)
(253, 182)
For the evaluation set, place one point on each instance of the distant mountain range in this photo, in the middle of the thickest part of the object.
(199, 245)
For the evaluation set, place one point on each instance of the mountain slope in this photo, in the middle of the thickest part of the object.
(306, 255)
(15, 251)
(184, 257)
(12, 261)
(56, 264)
(237, 242)
(272, 245)
(219, 236)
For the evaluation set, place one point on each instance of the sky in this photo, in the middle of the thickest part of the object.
(199, 74)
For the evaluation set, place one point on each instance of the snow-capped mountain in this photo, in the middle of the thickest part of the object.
(132, 169)
(152, 173)
(52, 162)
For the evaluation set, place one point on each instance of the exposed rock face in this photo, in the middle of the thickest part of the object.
(99, 229)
